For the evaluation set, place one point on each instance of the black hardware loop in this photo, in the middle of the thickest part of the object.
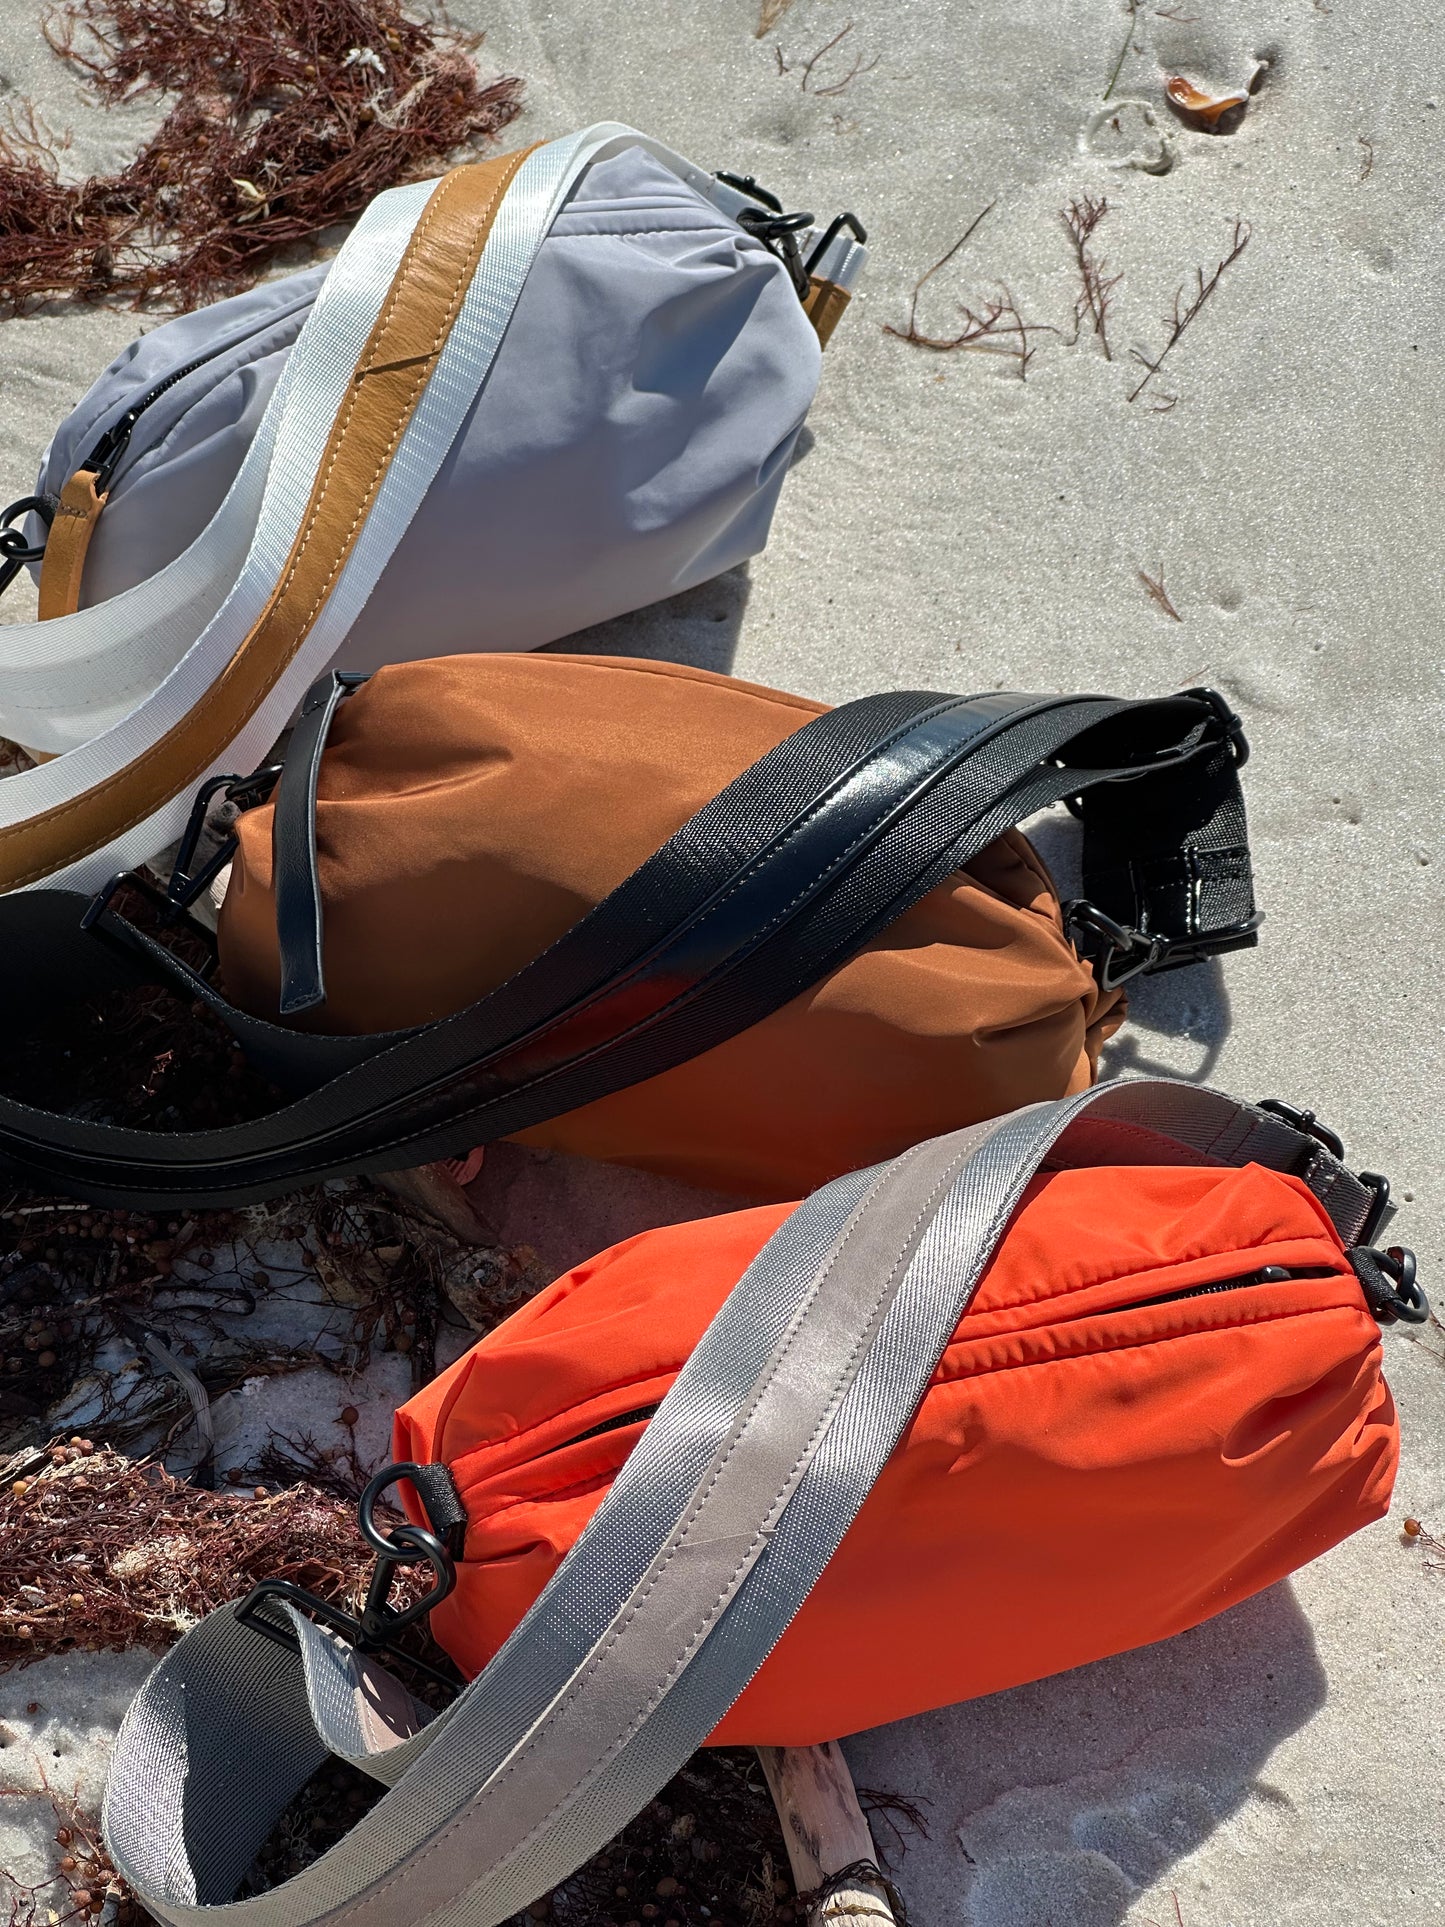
(830, 234)
(1307, 1122)
(15, 551)
(779, 234)
(1387, 1279)
(375, 1628)
(1118, 951)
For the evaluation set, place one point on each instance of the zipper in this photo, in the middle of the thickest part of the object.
(1266, 1275)
(607, 1425)
(104, 458)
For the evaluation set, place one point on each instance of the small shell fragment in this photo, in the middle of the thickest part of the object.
(1196, 105)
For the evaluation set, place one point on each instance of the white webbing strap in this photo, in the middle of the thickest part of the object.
(98, 688)
(714, 1532)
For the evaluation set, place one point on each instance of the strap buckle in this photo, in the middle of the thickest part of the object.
(15, 551)
(246, 792)
(1310, 1125)
(1118, 951)
(779, 235)
(1374, 1182)
(173, 900)
(375, 1628)
(1232, 724)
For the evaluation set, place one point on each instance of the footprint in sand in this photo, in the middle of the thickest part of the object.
(1128, 133)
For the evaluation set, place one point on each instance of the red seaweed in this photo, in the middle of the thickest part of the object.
(288, 116)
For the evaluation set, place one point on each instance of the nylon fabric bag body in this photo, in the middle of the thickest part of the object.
(1089, 1470)
(471, 810)
(630, 442)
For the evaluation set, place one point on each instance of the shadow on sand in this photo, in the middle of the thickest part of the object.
(1061, 1800)
(699, 627)
(1187, 1010)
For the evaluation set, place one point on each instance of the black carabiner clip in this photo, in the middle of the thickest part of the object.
(14, 549)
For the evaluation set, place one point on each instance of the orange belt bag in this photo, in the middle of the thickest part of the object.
(1032, 1392)
(1165, 1395)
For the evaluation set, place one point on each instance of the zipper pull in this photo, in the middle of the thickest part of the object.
(104, 458)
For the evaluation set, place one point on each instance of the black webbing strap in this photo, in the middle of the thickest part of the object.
(771, 886)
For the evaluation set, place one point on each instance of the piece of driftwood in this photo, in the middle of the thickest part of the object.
(433, 1190)
(826, 1833)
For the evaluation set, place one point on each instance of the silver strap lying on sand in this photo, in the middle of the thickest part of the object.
(715, 1530)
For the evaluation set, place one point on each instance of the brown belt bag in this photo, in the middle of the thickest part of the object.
(671, 919)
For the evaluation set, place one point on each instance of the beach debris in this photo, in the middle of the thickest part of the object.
(1178, 1920)
(1415, 1534)
(205, 1471)
(1367, 164)
(1158, 595)
(1131, 7)
(987, 328)
(1187, 306)
(770, 12)
(809, 66)
(1198, 108)
(152, 1553)
(1080, 219)
(1128, 134)
(85, 1885)
(281, 120)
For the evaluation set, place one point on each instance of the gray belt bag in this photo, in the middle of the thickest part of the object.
(629, 442)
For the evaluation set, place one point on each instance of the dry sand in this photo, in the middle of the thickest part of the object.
(953, 526)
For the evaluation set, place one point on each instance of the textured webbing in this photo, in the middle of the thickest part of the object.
(716, 1528)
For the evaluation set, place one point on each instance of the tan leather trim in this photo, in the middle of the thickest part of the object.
(64, 560)
(391, 373)
(824, 307)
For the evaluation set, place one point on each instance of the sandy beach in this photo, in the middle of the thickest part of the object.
(976, 520)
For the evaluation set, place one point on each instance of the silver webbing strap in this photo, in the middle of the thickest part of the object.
(714, 1532)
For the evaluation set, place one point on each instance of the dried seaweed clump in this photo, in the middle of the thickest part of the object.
(105, 1552)
(288, 116)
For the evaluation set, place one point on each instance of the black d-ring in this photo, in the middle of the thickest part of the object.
(1387, 1279)
(15, 551)
(386, 1478)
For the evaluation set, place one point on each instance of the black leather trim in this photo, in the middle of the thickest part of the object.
(298, 882)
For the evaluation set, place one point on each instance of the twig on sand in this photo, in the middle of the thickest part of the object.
(1178, 1913)
(1159, 595)
(860, 66)
(1186, 311)
(986, 327)
(1080, 218)
(911, 333)
(1131, 7)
